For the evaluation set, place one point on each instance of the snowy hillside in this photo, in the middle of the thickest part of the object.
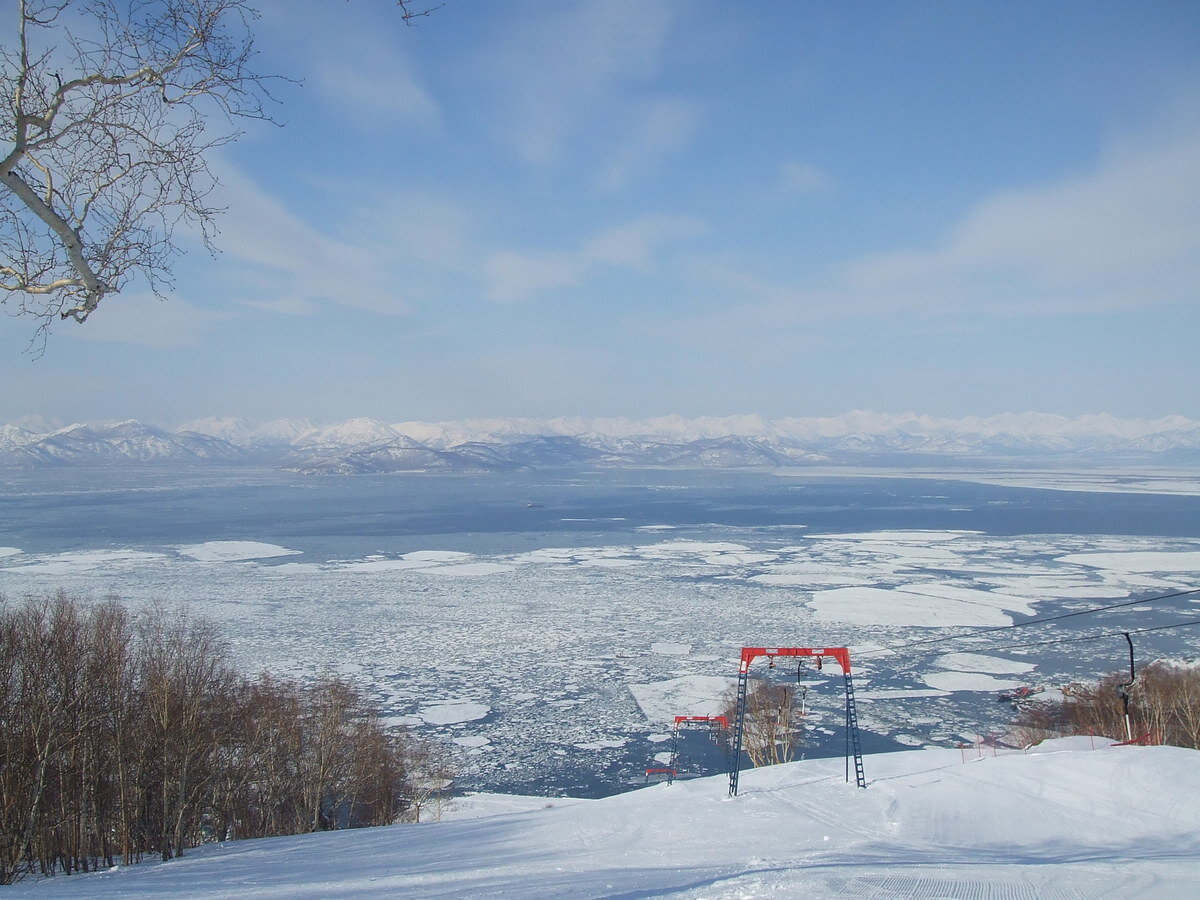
(1072, 819)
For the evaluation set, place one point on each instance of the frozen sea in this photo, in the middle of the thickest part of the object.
(547, 627)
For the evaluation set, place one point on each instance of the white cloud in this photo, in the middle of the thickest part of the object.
(374, 93)
(292, 261)
(1126, 234)
(796, 177)
(633, 245)
(511, 276)
(658, 130)
(564, 62)
(351, 59)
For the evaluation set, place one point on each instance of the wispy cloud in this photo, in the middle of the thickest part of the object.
(1125, 234)
(515, 276)
(565, 64)
(353, 64)
(374, 91)
(657, 129)
(294, 262)
(797, 177)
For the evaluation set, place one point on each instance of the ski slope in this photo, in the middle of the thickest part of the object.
(1062, 821)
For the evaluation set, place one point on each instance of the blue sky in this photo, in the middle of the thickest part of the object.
(642, 207)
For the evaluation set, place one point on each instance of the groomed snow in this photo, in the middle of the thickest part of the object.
(1065, 822)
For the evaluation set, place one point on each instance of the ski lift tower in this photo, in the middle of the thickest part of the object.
(842, 655)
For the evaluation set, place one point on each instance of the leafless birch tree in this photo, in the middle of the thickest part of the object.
(110, 111)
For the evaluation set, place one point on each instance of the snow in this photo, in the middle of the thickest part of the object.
(482, 805)
(1066, 821)
(234, 551)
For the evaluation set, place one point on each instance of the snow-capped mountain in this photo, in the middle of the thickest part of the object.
(123, 443)
(480, 445)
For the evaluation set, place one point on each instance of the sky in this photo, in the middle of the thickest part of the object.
(644, 207)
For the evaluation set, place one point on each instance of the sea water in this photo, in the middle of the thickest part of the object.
(547, 627)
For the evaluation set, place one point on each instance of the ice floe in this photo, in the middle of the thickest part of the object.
(234, 551)
(978, 662)
(82, 562)
(689, 695)
(1138, 561)
(879, 606)
(453, 712)
(968, 681)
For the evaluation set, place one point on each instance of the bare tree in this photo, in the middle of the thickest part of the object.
(121, 738)
(772, 728)
(108, 108)
(109, 113)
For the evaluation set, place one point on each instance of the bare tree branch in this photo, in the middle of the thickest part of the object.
(109, 110)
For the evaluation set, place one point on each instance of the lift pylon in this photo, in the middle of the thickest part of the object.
(842, 656)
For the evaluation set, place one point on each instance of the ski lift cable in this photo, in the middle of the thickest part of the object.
(1107, 635)
(1040, 620)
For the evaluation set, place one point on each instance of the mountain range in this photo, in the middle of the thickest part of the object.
(364, 445)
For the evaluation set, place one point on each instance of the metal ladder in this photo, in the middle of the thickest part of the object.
(735, 755)
(852, 736)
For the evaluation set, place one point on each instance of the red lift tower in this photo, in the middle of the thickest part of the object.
(842, 655)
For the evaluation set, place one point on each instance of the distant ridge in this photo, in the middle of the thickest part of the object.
(364, 445)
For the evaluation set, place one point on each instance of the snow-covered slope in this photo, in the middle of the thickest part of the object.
(1065, 821)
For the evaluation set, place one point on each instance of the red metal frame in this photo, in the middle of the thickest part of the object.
(841, 654)
(711, 720)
